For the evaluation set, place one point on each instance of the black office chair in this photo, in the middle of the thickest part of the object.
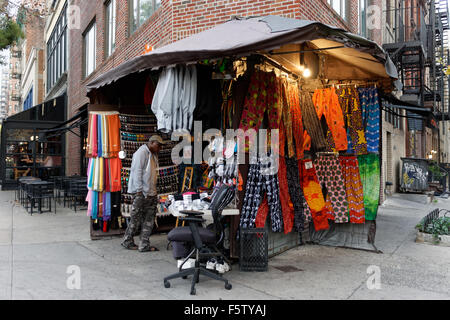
(203, 243)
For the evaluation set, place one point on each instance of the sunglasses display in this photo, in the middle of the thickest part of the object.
(135, 131)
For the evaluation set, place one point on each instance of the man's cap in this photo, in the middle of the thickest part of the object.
(156, 138)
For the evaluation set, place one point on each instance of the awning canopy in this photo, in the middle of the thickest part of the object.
(240, 37)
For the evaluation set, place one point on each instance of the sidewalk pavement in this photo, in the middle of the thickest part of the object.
(36, 252)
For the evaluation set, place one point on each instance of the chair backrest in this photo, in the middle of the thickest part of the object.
(220, 199)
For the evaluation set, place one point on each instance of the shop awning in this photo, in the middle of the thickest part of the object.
(244, 36)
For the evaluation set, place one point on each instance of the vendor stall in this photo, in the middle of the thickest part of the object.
(314, 86)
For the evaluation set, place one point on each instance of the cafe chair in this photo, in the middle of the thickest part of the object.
(198, 242)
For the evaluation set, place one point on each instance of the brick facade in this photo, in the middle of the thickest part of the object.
(174, 20)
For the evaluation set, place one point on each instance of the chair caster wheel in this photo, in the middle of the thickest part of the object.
(193, 292)
(228, 286)
(167, 284)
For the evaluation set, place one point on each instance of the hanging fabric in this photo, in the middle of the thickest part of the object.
(327, 105)
(285, 135)
(261, 98)
(295, 192)
(311, 122)
(287, 206)
(371, 117)
(329, 173)
(262, 178)
(296, 118)
(314, 196)
(369, 169)
(351, 107)
(353, 188)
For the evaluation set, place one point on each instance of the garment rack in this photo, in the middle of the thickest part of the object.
(263, 58)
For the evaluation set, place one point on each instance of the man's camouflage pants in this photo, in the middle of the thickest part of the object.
(143, 214)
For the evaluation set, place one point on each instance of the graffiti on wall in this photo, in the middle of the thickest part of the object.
(414, 176)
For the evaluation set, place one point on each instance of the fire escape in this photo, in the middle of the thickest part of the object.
(420, 53)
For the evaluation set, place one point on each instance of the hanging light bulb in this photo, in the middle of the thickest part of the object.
(306, 73)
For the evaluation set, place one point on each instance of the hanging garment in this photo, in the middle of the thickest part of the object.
(94, 205)
(107, 206)
(189, 97)
(371, 117)
(99, 138)
(369, 169)
(307, 215)
(208, 99)
(286, 120)
(261, 97)
(327, 105)
(329, 173)
(314, 196)
(115, 170)
(165, 100)
(353, 188)
(113, 123)
(295, 192)
(89, 201)
(260, 181)
(311, 122)
(107, 175)
(89, 137)
(261, 215)
(351, 107)
(287, 206)
(296, 118)
(94, 135)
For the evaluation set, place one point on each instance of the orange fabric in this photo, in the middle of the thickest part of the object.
(287, 206)
(327, 104)
(262, 213)
(354, 188)
(114, 135)
(314, 196)
(115, 169)
(297, 120)
(306, 142)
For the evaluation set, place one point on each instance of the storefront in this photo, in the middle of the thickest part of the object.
(314, 85)
(26, 149)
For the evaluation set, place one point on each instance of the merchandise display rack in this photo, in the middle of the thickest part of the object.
(134, 132)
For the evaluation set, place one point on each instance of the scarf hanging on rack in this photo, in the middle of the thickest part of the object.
(369, 169)
(353, 188)
(351, 107)
(371, 117)
(296, 118)
(329, 173)
(311, 122)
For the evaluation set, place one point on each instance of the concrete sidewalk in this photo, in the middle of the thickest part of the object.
(36, 251)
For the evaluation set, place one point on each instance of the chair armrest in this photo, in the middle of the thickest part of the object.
(191, 213)
(192, 219)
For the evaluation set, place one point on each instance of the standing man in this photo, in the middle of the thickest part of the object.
(142, 183)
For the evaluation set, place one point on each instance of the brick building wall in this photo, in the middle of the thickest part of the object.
(174, 20)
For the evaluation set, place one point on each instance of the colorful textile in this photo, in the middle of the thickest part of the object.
(371, 117)
(103, 136)
(311, 122)
(104, 174)
(351, 107)
(262, 180)
(326, 103)
(286, 203)
(369, 169)
(295, 192)
(286, 120)
(353, 188)
(261, 97)
(296, 117)
(329, 174)
(314, 196)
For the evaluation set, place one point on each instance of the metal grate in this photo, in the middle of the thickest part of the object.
(254, 250)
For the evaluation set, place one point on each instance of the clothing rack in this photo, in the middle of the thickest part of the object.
(265, 59)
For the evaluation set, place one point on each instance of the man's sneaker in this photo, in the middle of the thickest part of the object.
(211, 264)
(129, 246)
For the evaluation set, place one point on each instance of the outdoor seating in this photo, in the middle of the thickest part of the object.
(40, 193)
(77, 192)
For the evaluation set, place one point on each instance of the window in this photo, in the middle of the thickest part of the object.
(28, 103)
(57, 51)
(362, 18)
(340, 6)
(110, 27)
(90, 50)
(140, 11)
